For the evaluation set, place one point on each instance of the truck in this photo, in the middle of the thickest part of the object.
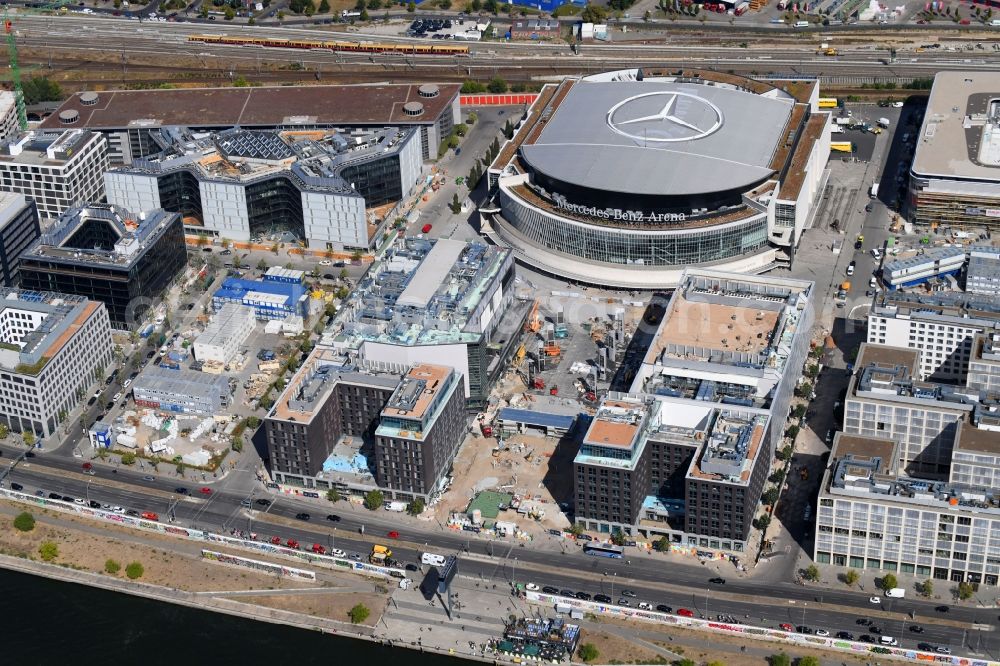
(873, 192)
(379, 554)
(896, 593)
(883, 122)
(395, 506)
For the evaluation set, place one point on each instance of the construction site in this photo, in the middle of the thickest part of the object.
(523, 444)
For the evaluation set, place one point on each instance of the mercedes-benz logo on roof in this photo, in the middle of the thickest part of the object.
(664, 117)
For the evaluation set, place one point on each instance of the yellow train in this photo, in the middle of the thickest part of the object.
(346, 47)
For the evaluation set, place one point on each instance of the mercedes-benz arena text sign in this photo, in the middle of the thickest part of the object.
(664, 117)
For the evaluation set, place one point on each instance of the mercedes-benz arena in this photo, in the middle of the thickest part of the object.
(626, 178)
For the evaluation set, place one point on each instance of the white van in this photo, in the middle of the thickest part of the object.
(801, 24)
(896, 593)
(888, 640)
(432, 559)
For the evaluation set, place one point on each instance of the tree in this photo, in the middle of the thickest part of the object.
(496, 85)
(416, 507)
(777, 476)
(462, 129)
(24, 522)
(134, 570)
(889, 581)
(343, 273)
(41, 89)
(411, 7)
(324, 6)
(4, 431)
(965, 591)
(851, 577)
(780, 659)
(491, 6)
(927, 588)
(455, 205)
(763, 521)
(48, 550)
(236, 443)
(769, 496)
(804, 390)
(358, 614)
(661, 545)
(128, 458)
(576, 529)
(594, 14)
(587, 652)
(618, 538)
(333, 495)
(792, 432)
(28, 437)
(799, 411)
(374, 500)
(112, 566)
(811, 573)
(230, 14)
(808, 661)
(262, 265)
(364, 16)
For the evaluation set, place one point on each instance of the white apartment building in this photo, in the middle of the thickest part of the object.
(885, 400)
(223, 337)
(940, 325)
(873, 516)
(56, 169)
(53, 348)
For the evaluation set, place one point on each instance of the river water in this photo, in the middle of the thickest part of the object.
(49, 621)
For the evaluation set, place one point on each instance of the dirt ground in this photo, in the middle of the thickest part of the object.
(522, 468)
(617, 650)
(334, 605)
(80, 550)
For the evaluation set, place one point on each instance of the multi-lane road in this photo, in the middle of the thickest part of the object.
(655, 579)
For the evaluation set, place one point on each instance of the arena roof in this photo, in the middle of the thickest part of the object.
(660, 138)
(255, 107)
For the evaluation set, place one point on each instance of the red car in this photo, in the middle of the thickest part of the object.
(684, 612)
(206, 491)
(786, 627)
(276, 541)
(149, 515)
(426, 228)
(292, 543)
(394, 534)
(319, 549)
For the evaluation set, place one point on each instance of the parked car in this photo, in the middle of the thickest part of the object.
(302, 516)
(684, 612)
(149, 515)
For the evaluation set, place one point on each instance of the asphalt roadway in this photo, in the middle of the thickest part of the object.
(680, 585)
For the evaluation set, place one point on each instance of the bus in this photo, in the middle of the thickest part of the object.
(603, 550)
(828, 102)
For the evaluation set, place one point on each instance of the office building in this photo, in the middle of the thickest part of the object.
(873, 515)
(269, 298)
(333, 189)
(419, 430)
(983, 273)
(625, 178)
(440, 302)
(225, 334)
(940, 325)
(53, 349)
(57, 169)
(930, 265)
(955, 174)
(108, 254)
(129, 117)
(693, 439)
(885, 398)
(9, 123)
(19, 229)
(339, 426)
(181, 391)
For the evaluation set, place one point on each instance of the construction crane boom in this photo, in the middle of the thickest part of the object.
(15, 69)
